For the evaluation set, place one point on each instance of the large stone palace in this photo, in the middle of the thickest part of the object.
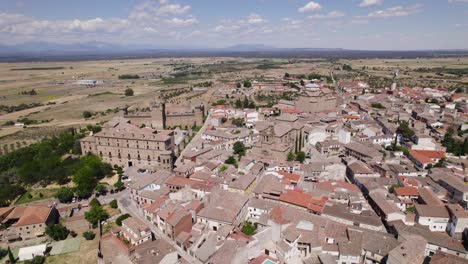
(124, 144)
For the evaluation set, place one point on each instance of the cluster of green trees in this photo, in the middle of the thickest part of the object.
(204, 84)
(219, 102)
(129, 76)
(456, 146)
(30, 92)
(347, 67)
(87, 172)
(405, 130)
(238, 122)
(14, 108)
(45, 163)
(96, 213)
(299, 156)
(246, 103)
(272, 99)
(377, 106)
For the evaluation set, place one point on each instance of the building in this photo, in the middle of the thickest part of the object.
(223, 208)
(27, 222)
(278, 139)
(316, 101)
(135, 231)
(457, 190)
(458, 220)
(436, 218)
(159, 115)
(126, 145)
(422, 158)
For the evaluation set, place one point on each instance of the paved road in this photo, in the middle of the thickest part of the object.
(196, 138)
(128, 206)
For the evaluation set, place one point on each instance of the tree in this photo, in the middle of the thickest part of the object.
(94, 202)
(57, 231)
(291, 156)
(129, 92)
(88, 235)
(247, 84)
(248, 228)
(113, 204)
(238, 122)
(87, 114)
(36, 260)
(11, 258)
(239, 148)
(347, 67)
(119, 184)
(405, 130)
(238, 85)
(287, 75)
(119, 219)
(101, 189)
(300, 156)
(231, 160)
(238, 103)
(95, 215)
(302, 82)
(64, 195)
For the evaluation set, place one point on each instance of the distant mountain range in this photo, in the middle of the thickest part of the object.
(45, 51)
(33, 47)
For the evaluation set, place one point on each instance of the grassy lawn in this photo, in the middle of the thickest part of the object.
(86, 254)
(36, 195)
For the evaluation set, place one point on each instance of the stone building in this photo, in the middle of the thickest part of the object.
(160, 115)
(123, 144)
(278, 138)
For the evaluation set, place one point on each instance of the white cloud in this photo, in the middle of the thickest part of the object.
(180, 22)
(255, 19)
(174, 9)
(367, 3)
(332, 14)
(310, 7)
(396, 11)
(458, 1)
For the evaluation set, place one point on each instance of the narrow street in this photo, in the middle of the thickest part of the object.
(128, 206)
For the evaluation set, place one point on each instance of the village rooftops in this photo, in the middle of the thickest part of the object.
(136, 225)
(223, 206)
(424, 210)
(29, 215)
(120, 128)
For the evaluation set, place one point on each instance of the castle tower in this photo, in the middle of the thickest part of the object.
(158, 114)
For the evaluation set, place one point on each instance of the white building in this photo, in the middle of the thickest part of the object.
(436, 218)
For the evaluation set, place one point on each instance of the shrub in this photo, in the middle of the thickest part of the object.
(113, 204)
(87, 114)
(248, 228)
(129, 92)
(64, 195)
(119, 219)
(73, 234)
(88, 235)
(57, 232)
(36, 260)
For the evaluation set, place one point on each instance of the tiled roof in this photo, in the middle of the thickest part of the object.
(407, 191)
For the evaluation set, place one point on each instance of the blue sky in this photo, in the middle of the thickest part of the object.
(353, 24)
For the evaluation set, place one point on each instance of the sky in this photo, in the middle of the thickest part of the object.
(350, 24)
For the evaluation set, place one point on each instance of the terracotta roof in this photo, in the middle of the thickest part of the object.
(426, 156)
(31, 215)
(407, 191)
(303, 200)
(290, 176)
